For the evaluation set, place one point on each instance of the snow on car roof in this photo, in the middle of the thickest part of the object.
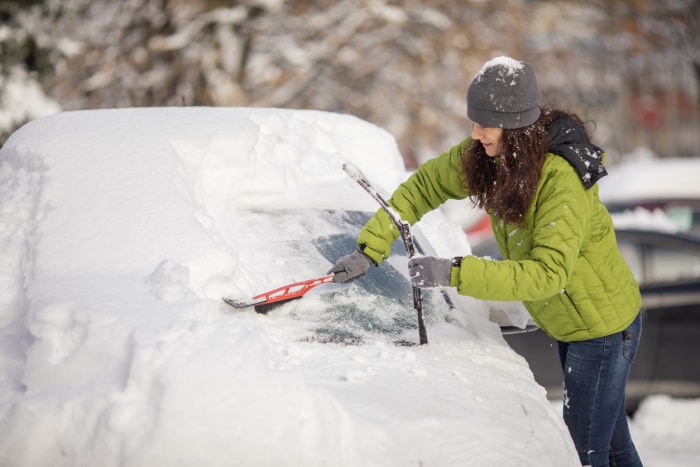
(655, 179)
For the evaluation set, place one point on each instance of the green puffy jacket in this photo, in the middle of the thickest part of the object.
(564, 265)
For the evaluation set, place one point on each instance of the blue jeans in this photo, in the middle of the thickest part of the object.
(595, 376)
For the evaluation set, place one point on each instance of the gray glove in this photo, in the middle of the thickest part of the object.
(350, 267)
(428, 271)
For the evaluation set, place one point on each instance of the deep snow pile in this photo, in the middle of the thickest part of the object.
(121, 230)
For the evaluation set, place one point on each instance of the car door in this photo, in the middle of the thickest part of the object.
(667, 268)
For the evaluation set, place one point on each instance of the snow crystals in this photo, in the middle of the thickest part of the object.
(510, 65)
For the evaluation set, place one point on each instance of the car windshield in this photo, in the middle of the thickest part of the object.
(378, 305)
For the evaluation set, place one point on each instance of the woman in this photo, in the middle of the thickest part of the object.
(534, 170)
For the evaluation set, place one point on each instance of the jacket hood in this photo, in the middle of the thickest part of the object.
(568, 139)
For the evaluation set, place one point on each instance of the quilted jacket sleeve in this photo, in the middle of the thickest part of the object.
(435, 181)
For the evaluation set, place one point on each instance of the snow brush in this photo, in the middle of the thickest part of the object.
(265, 301)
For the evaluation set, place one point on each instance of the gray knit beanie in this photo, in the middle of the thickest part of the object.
(504, 94)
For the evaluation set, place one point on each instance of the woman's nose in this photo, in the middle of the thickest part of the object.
(477, 131)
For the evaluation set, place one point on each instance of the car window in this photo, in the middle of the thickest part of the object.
(684, 217)
(671, 265)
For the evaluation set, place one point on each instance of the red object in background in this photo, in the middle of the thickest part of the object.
(648, 109)
(480, 231)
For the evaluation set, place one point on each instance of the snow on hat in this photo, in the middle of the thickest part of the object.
(504, 94)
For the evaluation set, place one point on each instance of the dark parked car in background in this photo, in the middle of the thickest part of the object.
(667, 267)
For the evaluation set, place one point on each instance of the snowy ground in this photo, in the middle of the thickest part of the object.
(121, 230)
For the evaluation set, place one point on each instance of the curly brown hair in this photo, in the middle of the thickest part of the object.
(505, 185)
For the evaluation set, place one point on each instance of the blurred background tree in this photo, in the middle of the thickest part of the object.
(632, 66)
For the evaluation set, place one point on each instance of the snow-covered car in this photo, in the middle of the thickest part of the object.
(122, 230)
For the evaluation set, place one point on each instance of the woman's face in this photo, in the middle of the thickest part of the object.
(490, 138)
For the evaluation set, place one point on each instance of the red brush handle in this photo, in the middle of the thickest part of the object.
(295, 290)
